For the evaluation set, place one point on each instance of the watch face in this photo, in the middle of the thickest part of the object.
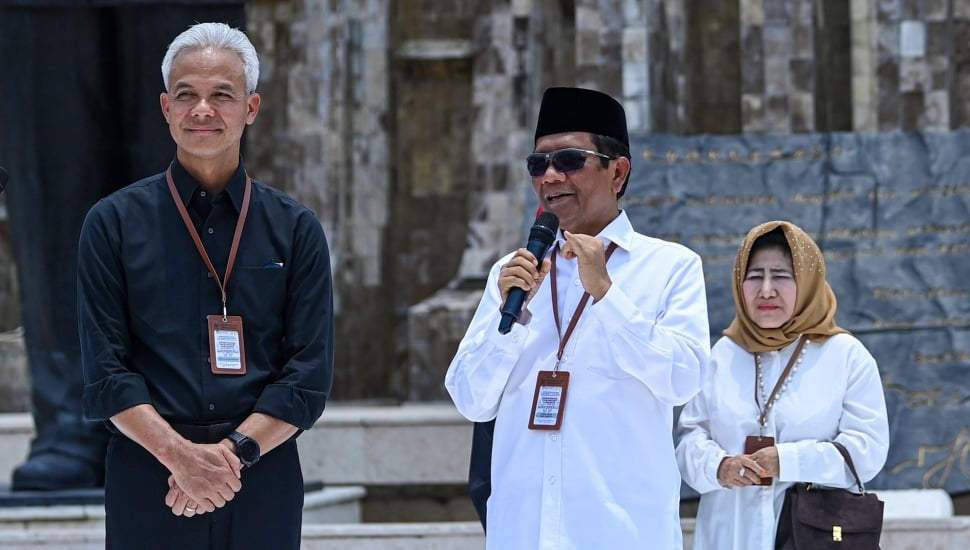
(248, 450)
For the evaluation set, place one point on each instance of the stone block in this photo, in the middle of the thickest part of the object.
(939, 68)
(777, 11)
(637, 115)
(777, 41)
(936, 115)
(961, 109)
(777, 79)
(910, 9)
(912, 38)
(435, 327)
(752, 114)
(911, 110)
(937, 35)
(14, 374)
(803, 41)
(859, 11)
(752, 12)
(411, 444)
(887, 75)
(777, 120)
(888, 10)
(802, 11)
(634, 47)
(935, 10)
(802, 112)
(888, 111)
(888, 40)
(635, 82)
(802, 75)
(752, 47)
(914, 75)
(961, 9)
(916, 503)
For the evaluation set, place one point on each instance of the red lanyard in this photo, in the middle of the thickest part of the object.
(198, 242)
(579, 308)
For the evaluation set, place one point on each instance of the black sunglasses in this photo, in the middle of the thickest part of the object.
(564, 160)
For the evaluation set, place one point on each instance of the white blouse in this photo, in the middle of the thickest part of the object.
(836, 394)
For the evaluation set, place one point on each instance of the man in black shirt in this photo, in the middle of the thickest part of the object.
(78, 121)
(206, 324)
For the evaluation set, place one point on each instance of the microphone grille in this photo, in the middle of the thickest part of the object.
(548, 219)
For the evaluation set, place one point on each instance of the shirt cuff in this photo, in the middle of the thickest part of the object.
(788, 467)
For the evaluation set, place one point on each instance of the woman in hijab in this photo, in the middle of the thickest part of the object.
(785, 380)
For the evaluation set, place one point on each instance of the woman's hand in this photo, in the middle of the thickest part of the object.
(740, 471)
(768, 459)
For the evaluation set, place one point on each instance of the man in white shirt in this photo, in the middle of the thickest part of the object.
(596, 470)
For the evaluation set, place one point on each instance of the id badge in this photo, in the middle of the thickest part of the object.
(754, 442)
(549, 401)
(227, 353)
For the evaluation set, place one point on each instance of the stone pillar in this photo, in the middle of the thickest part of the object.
(322, 137)
(922, 47)
(501, 100)
(863, 57)
(668, 82)
(636, 67)
(960, 63)
(599, 45)
(778, 66)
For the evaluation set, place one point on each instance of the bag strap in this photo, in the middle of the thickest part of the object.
(848, 460)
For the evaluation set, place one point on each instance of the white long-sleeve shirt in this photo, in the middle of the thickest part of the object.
(608, 478)
(836, 394)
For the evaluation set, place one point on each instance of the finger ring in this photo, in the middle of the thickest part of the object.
(741, 473)
(187, 509)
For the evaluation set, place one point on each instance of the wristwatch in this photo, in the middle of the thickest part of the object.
(246, 448)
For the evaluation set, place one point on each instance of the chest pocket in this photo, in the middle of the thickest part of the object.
(259, 293)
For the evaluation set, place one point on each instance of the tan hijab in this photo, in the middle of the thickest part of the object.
(815, 304)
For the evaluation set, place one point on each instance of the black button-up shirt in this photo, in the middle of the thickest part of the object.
(144, 294)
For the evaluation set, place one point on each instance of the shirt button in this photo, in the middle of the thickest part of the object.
(201, 193)
(577, 282)
(552, 480)
(212, 407)
(211, 231)
(209, 274)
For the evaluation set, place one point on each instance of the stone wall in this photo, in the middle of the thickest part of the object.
(403, 124)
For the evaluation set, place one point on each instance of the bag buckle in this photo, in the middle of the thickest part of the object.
(836, 533)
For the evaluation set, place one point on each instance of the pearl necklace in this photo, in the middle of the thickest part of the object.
(779, 388)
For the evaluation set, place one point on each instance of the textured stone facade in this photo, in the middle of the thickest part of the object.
(404, 124)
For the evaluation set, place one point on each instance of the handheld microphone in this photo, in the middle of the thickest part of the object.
(541, 236)
(4, 177)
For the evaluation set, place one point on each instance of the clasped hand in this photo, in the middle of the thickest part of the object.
(207, 477)
(745, 470)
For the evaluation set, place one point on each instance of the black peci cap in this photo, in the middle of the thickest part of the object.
(581, 110)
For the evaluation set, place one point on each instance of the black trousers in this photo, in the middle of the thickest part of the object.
(480, 467)
(265, 514)
(79, 118)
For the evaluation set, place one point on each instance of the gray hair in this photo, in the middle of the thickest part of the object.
(215, 35)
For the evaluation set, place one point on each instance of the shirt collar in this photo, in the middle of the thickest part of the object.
(619, 231)
(187, 185)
